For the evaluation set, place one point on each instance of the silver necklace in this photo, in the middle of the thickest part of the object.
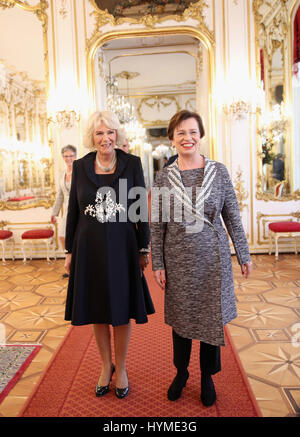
(111, 165)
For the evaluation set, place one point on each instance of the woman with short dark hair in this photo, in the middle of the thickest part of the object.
(191, 255)
(68, 154)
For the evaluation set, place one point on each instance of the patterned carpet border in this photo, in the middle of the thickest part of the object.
(70, 377)
(243, 373)
(14, 360)
(76, 362)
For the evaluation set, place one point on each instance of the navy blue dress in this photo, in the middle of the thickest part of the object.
(105, 283)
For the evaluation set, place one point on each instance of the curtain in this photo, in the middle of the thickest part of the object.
(297, 37)
(262, 67)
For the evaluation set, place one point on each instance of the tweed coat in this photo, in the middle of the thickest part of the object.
(199, 293)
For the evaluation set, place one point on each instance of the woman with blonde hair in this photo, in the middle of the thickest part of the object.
(107, 252)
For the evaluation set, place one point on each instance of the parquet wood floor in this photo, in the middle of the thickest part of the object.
(266, 333)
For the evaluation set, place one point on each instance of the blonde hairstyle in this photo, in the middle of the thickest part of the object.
(110, 120)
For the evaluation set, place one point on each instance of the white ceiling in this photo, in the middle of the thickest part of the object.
(150, 41)
(162, 63)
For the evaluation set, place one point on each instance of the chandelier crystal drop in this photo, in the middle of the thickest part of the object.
(121, 107)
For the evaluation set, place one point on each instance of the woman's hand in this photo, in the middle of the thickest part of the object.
(53, 219)
(160, 277)
(68, 262)
(144, 260)
(246, 269)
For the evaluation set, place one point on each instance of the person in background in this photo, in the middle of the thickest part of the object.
(125, 146)
(278, 167)
(193, 263)
(106, 253)
(68, 153)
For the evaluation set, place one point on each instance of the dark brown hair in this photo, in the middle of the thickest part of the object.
(179, 117)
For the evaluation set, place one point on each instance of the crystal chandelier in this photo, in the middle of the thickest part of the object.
(125, 111)
(118, 104)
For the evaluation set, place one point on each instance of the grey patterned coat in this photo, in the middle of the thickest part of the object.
(199, 294)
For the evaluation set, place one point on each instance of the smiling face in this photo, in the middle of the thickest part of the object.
(69, 157)
(104, 140)
(186, 137)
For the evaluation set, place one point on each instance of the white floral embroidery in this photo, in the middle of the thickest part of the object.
(104, 208)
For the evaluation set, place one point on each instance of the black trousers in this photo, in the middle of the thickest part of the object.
(210, 355)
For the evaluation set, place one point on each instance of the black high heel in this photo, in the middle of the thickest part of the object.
(101, 390)
(122, 392)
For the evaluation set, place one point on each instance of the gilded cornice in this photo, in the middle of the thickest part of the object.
(267, 197)
(194, 11)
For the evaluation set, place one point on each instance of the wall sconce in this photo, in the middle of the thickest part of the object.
(64, 103)
(239, 109)
(65, 118)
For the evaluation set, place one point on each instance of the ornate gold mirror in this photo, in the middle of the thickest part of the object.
(294, 76)
(143, 101)
(26, 170)
(121, 65)
(277, 141)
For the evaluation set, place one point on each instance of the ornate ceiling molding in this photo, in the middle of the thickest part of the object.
(195, 11)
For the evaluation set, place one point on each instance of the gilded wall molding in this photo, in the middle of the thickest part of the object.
(195, 11)
(158, 101)
(240, 190)
(25, 99)
(264, 219)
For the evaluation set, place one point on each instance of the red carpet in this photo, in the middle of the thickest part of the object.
(67, 387)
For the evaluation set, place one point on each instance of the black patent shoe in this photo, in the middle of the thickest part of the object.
(208, 392)
(175, 389)
(121, 392)
(101, 390)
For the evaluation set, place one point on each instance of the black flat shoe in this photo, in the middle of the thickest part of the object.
(101, 390)
(175, 389)
(208, 392)
(121, 392)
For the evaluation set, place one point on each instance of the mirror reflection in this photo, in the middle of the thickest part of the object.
(279, 130)
(25, 169)
(296, 94)
(274, 168)
(145, 102)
